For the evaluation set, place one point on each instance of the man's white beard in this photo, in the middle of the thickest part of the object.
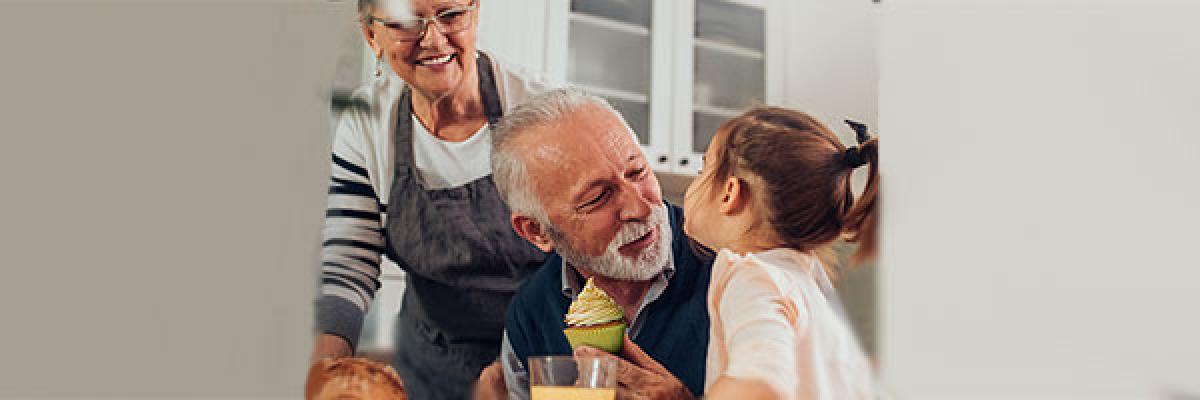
(611, 263)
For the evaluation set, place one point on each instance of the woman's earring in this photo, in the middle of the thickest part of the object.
(379, 65)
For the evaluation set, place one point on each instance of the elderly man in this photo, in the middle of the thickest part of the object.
(577, 183)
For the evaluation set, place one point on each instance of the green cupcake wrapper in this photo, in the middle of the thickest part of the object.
(608, 338)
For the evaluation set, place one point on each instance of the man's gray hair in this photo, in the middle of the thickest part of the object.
(508, 163)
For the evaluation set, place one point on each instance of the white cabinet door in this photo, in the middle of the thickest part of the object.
(619, 50)
(674, 69)
(727, 55)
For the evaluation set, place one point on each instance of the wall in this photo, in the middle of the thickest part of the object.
(165, 165)
(1041, 216)
(832, 68)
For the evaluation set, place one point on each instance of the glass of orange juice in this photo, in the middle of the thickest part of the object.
(572, 378)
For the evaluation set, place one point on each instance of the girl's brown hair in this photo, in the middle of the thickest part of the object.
(801, 172)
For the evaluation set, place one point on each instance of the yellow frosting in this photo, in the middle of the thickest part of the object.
(593, 307)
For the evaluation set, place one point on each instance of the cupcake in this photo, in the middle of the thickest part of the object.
(594, 319)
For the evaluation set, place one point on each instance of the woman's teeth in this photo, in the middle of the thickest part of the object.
(434, 61)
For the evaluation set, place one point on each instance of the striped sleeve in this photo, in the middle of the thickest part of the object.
(352, 238)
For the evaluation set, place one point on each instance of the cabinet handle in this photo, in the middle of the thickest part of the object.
(683, 162)
(662, 159)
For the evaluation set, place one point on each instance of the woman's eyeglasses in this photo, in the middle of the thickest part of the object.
(451, 20)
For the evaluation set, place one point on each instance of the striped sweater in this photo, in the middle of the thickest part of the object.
(361, 177)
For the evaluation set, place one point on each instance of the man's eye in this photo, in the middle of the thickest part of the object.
(596, 200)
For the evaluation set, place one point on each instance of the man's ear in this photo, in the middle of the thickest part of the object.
(533, 231)
(734, 196)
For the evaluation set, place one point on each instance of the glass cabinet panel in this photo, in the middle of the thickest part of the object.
(704, 125)
(637, 115)
(729, 68)
(730, 23)
(635, 12)
(609, 55)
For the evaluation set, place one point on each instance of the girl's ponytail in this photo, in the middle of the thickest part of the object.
(861, 221)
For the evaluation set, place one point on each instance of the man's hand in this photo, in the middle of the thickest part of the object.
(491, 383)
(640, 377)
(329, 345)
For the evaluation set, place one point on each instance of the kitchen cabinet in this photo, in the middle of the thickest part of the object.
(674, 69)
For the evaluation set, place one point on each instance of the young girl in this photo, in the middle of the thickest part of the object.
(774, 194)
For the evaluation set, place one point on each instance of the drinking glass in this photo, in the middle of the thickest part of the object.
(572, 378)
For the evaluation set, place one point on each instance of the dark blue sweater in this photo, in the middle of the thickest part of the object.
(675, 327)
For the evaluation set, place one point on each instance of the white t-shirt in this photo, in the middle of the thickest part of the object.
(444, 164)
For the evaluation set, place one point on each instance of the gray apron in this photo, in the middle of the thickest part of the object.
(463, 263)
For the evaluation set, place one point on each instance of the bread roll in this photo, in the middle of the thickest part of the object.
(352, 378)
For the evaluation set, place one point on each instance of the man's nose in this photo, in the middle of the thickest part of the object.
(634, 206)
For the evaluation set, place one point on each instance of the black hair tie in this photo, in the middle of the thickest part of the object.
(854, 158)
(853, 154)
(860, 131)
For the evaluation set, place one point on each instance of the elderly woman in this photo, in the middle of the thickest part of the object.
(411, 178)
